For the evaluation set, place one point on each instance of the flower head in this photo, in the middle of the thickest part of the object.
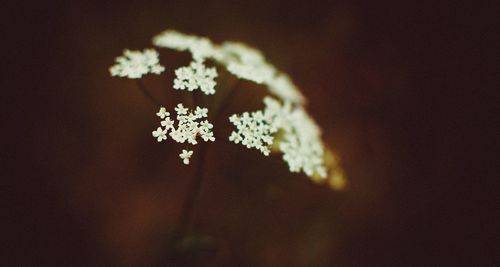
(200, 47)
(196, 76)
(253, 130)
(283, 125)
(135, 64)
(301, 138)
(190, 126)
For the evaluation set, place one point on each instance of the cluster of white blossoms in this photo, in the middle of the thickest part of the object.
(246, 62)
(200, 47)
(253, 130)
(283, 125)
(300, 137)
(301, 145)
(135, 64)
(239, 59)
(190, 126)
(196, 76)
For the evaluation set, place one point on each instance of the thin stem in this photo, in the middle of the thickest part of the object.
(228, 98)
(187, 212)
(192, 196)
(145, 91)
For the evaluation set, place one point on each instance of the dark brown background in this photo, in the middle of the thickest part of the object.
(400, 90)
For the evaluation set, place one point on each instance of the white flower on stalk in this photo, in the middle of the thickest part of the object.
(135, 64)
(196, 76)
(185, 156)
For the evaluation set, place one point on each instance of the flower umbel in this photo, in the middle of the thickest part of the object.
(253, 130)
(200, 47)
(190, 126)
(196, 76)
(135, 64)
(283, 125)
(301, 138)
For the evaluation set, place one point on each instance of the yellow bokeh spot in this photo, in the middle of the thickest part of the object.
(317, 178)
(337, 180)
(275, 146)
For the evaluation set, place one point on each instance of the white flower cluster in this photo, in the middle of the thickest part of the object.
(253, 130)
(283, 125)
(190, 125)
(135, 64)
(301, 138)
(239, 59)
(245, 62)
(200, 47)
(302, 147)
(196, 76)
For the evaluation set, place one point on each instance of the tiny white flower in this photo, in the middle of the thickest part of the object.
(201, 112)
(160, 134)
(190, 117)
(185, 156)
(167, 123)
(178, 136)
(207, 136)
(162, 113)
(180, 109)
(206, 126)
(235, 137)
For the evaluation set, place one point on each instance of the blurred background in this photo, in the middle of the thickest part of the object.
(398, 88)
